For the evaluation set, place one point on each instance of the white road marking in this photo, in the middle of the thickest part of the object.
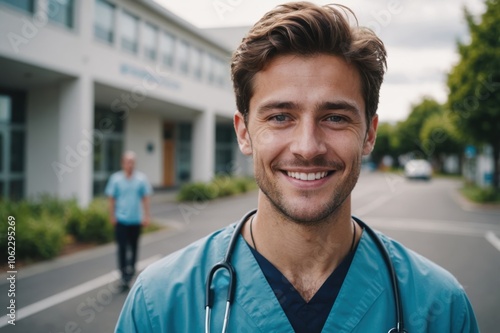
(73, 292)
(493, 239)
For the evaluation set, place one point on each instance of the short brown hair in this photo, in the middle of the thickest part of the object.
(307, 29)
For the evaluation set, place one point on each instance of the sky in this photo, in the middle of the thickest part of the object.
(420, 37)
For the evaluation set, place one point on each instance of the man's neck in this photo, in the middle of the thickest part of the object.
(305, 254)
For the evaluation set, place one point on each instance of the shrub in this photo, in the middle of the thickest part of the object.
(39, 237)
(42, 226)
(96, 226)
(52, 206)
(197, 192)
(220, 186)
(245, 184)
(224, 186)
(39, 229)
(73, 221)
(481, 195)
(90, 225)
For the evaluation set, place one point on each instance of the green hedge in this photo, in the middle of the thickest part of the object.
(38, 237)
(220, 186)
(42, 226)
(196, 192)
(91, 224)
(481, 195)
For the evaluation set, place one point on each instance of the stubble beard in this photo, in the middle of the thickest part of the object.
(277, 197)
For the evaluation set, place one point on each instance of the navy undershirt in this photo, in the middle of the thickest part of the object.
(305, 317)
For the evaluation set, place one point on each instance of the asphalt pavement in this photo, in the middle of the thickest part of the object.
(79, 293)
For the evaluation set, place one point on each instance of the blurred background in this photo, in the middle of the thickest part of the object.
(81, 81)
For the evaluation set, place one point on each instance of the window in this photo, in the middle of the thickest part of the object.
(208, 68)
(17, 150)
(107, 153)
(12, 144)
(150, 41)
(183, 152)
(196, 62)
(129, 26)
(5, 108)
(224, 148)
(104, 21)
(183, 56)
(26, 5)
(220, 72)
(61, 11)
(167, 42)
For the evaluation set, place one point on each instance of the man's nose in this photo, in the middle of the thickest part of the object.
(308, 140)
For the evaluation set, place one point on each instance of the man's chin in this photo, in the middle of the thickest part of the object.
(308, 215)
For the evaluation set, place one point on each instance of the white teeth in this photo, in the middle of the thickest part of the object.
(307, 176)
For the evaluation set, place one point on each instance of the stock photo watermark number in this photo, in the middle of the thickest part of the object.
(11, 273)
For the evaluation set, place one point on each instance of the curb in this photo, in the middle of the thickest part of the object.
(470, 206)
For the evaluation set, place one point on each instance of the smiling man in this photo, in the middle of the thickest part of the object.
(307, 86)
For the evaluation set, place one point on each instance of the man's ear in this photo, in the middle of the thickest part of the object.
(242, 135)
(371, 136)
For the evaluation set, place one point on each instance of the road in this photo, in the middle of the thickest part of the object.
(79, 293)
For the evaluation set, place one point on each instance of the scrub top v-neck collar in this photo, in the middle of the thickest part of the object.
(304, 316)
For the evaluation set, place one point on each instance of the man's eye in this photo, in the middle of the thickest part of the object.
(279, 118)
(336, 119)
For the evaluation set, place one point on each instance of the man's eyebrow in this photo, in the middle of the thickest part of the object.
(323, 106)
(277, 105)
(339, 105)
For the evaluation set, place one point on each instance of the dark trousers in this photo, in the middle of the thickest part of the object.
(127, 238)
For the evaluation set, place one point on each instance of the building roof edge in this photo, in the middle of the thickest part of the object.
(186, 25)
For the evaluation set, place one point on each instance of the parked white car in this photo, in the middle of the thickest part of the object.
(418, 169)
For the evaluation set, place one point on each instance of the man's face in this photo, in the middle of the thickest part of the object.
(128, 164)
(307, 132)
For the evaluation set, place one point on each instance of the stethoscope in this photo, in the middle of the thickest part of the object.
(226, 264)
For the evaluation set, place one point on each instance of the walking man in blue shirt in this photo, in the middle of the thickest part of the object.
(128, 190)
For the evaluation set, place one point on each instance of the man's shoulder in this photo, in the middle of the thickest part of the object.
(412, 266)
(433, 297)
(117, 175)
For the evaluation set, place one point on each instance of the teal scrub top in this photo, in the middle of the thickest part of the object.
(169, 296)
(128, 194)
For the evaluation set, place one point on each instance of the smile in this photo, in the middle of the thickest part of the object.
(307, 176)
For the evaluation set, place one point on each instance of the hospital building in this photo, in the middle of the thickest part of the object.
(81, 81)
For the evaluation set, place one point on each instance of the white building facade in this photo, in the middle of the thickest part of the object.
(83, 81)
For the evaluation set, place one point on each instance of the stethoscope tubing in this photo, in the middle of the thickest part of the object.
(225, 264)
(392, 275)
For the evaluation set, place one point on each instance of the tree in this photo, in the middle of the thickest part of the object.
(383, 145)
(440, 138)
(407, 133)
(474, 83)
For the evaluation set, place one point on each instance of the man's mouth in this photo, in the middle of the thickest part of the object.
(307, 176)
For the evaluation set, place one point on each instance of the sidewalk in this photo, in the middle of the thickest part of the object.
(163, 204)
(164, 195)
(160, 200)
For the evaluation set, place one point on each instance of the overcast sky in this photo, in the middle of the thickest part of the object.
(420, 37)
